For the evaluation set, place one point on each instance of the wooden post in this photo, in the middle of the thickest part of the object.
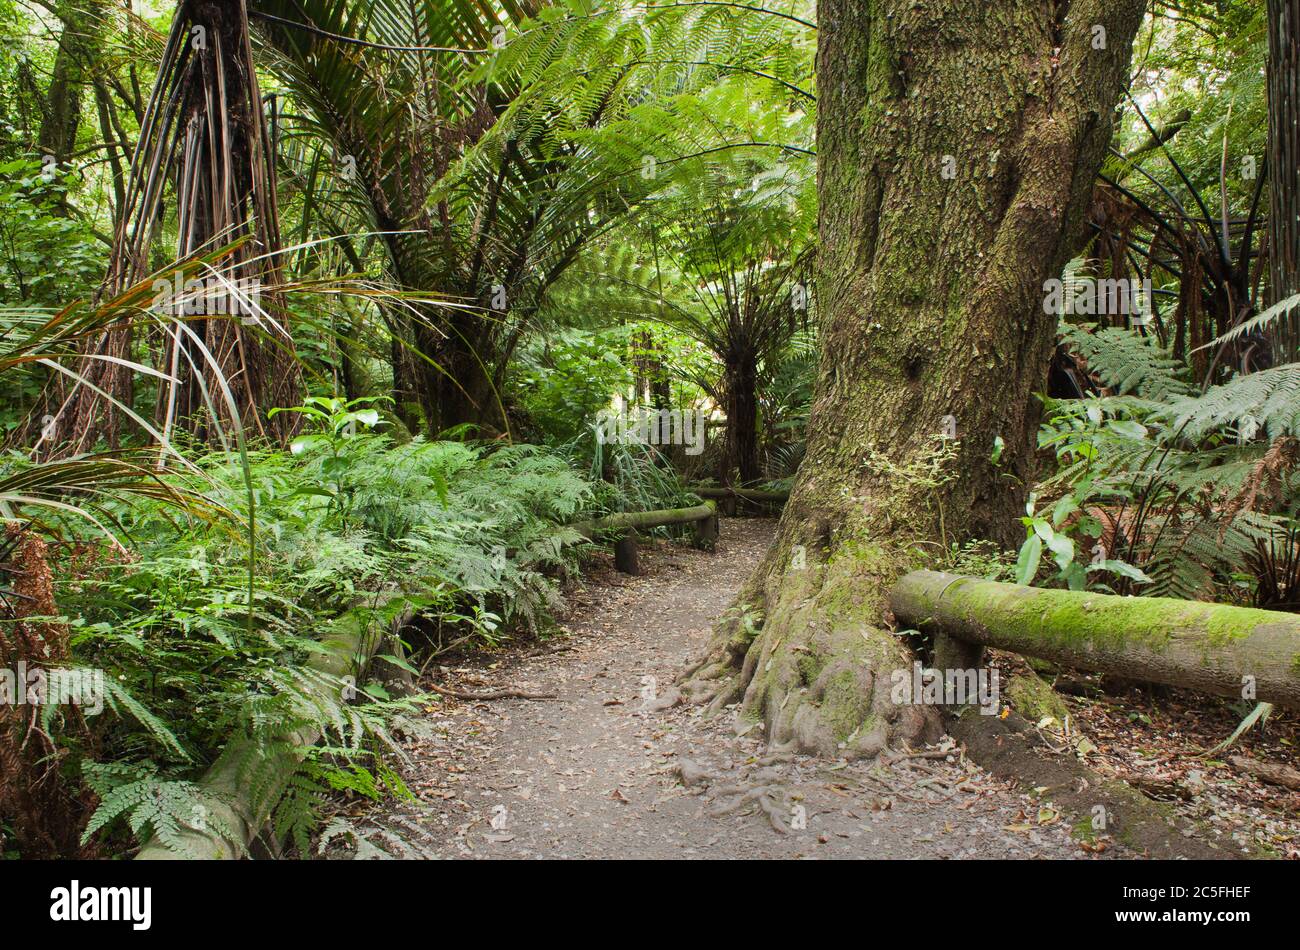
(706, 532)
(953, 654)
(625, 554)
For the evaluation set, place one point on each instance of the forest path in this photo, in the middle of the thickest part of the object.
(592, 774)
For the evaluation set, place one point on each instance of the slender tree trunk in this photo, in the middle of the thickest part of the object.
(461, 384)
(1284, 166)
(958, 142)
(405, 397)
(448, 366)
(739, 463)
(83, 23)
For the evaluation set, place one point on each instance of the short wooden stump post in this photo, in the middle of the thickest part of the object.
(626, 558)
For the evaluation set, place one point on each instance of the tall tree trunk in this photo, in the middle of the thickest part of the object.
(205, 129)
(958, 142)
(1284, 167)
(75, 65)
(449, 355)
(462, 383)
(739, 463)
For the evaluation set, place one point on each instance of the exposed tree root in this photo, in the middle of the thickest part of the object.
(753, 786)
(807, 655)
(770, 799)
(495, 694)
(666, 700)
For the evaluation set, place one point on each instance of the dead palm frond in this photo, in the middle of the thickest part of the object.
(204, 138)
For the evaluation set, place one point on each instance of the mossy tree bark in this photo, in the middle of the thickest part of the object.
(74, 65)
(957, 145)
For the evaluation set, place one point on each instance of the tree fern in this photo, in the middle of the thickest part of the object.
(1128, 362)
(1266, 402)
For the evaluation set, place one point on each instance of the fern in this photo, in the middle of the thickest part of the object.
(1258, 323)
(152, 806)
(398, 837)
(1266, 402)
(1128, 362)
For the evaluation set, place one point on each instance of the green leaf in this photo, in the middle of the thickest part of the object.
(1128, 428)
(1123, 569)
(1031, 553)
(1063, 509)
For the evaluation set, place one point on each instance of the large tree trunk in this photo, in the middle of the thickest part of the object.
(204, 129)
(448, 357)
(957, 145)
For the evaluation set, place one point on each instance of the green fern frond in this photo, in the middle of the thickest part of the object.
(1128, 362)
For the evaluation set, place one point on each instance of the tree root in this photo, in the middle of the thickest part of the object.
(814, 669)
(766, 797)
(666, 700)
(495, 694)
(756, 784)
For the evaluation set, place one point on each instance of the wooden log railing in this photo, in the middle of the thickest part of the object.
(1214, 648)
(624, 525)
(727, 496)
(746, 494)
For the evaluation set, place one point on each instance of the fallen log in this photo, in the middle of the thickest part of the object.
(642, 520)
(1273, 772)
(747, 494)
(1210, 647)
(247, 780)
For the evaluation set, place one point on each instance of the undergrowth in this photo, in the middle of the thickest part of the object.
(347, 525)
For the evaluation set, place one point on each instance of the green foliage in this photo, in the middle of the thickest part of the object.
(352, 529)
(36, 232)
(1054, 535)
(636, 477)
(149, 805)
(1129, 362)
(565, 378)
(1262, 403)
(1177, 493)
(980, 558)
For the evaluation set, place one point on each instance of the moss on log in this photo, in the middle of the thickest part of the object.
(747, 494)
(644, 520)
(1210, 647)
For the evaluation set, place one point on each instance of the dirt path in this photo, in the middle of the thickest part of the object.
(593, 774)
